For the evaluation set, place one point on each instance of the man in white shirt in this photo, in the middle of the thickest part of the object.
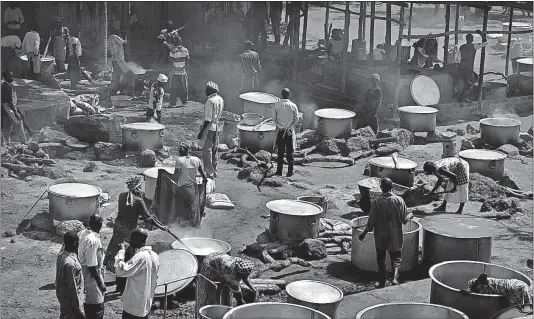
(91, 255)
(118, 63)
(212, 114)
(142, 275)
(30, 47)
(13, 19)
(285, 117)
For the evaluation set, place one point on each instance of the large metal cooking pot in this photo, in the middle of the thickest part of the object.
(259, 102)
(445, 234)
(201, 247)
(73, 201)
(257, 138)
(175, 264)
(47, 63)
(485, 162)
(524, 65)
(316, 295)
(142, 136)
(418, 118)
(151, 177)
(294, 219)
(317, 200)
(403, 174)
(521, 82)
(516, 312)
(334, 122)
(274, 310)
(412, 310)
(213, 311)
(448, 278)
(497, 131)
(494, 91)
(363, 254)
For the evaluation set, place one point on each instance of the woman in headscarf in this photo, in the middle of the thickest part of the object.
(229, 271)
(457, 172)
(131, 206)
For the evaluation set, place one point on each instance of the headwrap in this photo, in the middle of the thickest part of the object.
(244, 267)
(133, 184)
(213, 85)
(376, 77)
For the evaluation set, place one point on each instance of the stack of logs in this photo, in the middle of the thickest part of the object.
(26, 159)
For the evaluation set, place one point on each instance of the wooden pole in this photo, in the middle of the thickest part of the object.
(509, 42)
(436, 35)
(456, 23)
(364, 15)
(326, 22)
(410, 21)
(447, 27)
(295, 41)
(106, 37)
(357, 13)
(388, 23)
(345, 63)
(305, 26)
(399, 62)
(482, 60)
(372, 32)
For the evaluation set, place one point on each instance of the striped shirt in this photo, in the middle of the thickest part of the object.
(179, 57)
(250, 61)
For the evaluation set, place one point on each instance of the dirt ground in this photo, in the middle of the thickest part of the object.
(28, 260)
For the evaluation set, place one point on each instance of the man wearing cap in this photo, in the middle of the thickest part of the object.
(250, 62)
(212, 114)
(179, 57)
(155, 100)
(373, 100)
(285, 116)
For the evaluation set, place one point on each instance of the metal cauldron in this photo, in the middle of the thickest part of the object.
(274, 310)
(258, 102)
(418, 118)
(412, 310)
(494, 91)
(213, 311)
(293, 219)
(485, 162)
(141, 136)
(73, 201)
(403, 174)
(334, 122)
(316, 295)
(257, 138)
(499, 131)
(516, 312)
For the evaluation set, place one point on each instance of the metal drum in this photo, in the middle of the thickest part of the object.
(142, 136)
(499, 131)
(334, 122)
(403, 174)
(448, 278)
(73, 201)
(494, 91)
(516, 312)
(485, 162)
(259, 102)
(151, 177)
(257, 138)
(213, 311)
(175, 264)
(293, 219)
(524, 65)
(418, 118)
(317, 200)
(363, 254)
(274, 310)
(316, 295)
(453, 237)
(411, 310)
(424, 90)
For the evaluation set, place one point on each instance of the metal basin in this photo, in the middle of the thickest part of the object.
(257, 138)
(213, 311)
(251, 118)
(412, 310)
(293, 220)
(485, 162)
(403, 174)
(516, 312)
(316, 295)
(201, 247)
(363, 254)
(142, 136)
(449, 277)
(524, 65)
(494, 91)
(497, 131)
(274, 310)
(418, 118)
(73, 201)
(174, 264)
(334, 122)
(317, 200)
(258, 102)
(151, 177)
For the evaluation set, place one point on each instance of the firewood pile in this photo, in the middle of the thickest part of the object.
(24, 160)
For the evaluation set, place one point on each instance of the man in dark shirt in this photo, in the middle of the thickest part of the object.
(388, 214)
(373, 100)
(250, 62)
(11, 115)
(468, 51)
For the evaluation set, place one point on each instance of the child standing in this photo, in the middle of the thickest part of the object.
(155, 101)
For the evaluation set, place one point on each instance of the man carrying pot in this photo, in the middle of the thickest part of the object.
(388, 214)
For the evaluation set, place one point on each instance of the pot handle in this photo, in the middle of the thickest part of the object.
(69, 202)
(321, 121)
(161, 133)
(492, 164)
(134, 134)
(275, 217)
(312, 221)
(260, 136)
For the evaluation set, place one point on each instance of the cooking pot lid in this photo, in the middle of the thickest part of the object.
(43, 59)
(175, 264)
(452, 225)
(525, 61)
(144, 126)
(485, 155)
(203, 246)
(387, 162)
(495, 35)
(527, 74)
(294, 207)
(337, 114)
(76, 190)
(251, 116)
(259, 97)
(424, 90)
(153, 172)
(314, 292)
(267, 127)
(500, 121)
(418, 109)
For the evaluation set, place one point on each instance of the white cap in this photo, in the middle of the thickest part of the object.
(163, 78)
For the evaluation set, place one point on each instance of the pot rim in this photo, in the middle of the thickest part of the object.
(227, 249)
(464, 155)
(143, 126)
(340, 116)
(270, 204)
(76, 196)
(416, 109)
(318, 282)
(194, 273)
(527, 61)
(249, 96)
(419, 226)
(362, 312)
(512, 307)
(434, 279)
(494, 85)
(266, 127)
(251, 116)
(404, 160)
(488, 119)
(230, 313)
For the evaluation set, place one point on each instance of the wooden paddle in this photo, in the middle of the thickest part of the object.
(25, 223)
(166, 229)
(47, 44)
